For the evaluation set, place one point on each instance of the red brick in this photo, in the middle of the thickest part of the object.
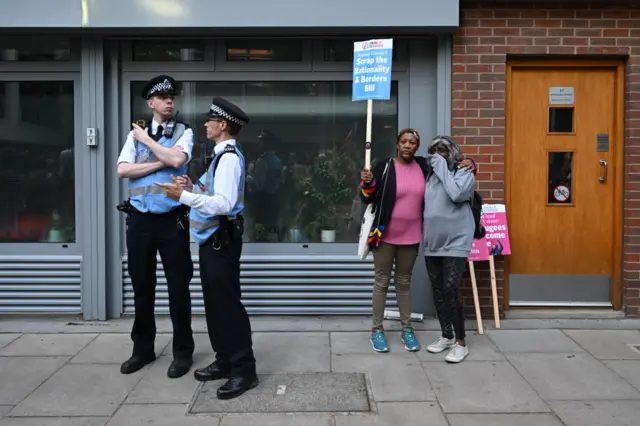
(490, 30)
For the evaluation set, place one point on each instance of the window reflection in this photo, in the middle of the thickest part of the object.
(35, 49)
(304, 149)
(264, 50)
(180, 50)
(37, 203)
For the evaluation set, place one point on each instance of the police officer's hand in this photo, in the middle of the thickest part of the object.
(140, 134)
(172, 190)
(185, 182)
(366, 175)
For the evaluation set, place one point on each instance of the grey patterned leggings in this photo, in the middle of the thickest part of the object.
(445, 274)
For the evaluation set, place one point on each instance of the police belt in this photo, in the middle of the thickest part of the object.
(180, 210)
(201, 226)
(145, 190)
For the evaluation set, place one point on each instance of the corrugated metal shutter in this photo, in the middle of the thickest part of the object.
(43, 284)
(289, 285)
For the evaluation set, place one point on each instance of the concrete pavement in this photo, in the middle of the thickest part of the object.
(62, 371)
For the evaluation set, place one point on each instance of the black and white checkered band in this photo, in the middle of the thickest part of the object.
(215, 109)
(165, 86)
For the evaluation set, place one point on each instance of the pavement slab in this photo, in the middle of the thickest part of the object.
(598, 413)
(80, 390)
(393, 377)
(628, 370)
(47, 344)
(57, 421)
(159, 415)
(609, 344)
(503, 420)
(271, 419)
(397, 414)
(19, 376)
(533, 341)
(481, 348)
(114, 349)
(6, 338)
(292, 352)
(482, 387)
(156, 388)
(571, 377)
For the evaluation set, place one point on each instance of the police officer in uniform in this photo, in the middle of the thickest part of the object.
(158, 223)
(217, 203)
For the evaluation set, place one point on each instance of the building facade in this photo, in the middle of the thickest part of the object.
(547, 96)
(70, 82)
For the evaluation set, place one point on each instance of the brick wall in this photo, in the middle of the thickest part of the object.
(491, 30)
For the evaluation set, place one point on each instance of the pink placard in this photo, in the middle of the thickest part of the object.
(496, 242)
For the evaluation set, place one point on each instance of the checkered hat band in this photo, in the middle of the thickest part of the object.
(165, 86)
(215, 109)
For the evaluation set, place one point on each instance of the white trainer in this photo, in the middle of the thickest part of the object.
(457, 354)
(441, 345)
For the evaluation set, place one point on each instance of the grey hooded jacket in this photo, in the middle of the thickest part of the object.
(448, 221)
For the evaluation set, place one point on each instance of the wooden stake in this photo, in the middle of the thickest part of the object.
(476, 301)
(494, 292)
(367, 149)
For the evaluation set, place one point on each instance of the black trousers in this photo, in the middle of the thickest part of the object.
(146, 235)
(227, 320)
(445, 274)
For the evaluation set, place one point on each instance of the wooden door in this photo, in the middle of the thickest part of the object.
(563, 207)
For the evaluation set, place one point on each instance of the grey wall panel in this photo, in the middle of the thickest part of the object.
(40, 13)
(239, 14)
(283, 285)
(42, 284)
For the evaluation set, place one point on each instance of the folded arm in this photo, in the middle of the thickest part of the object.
(226, 183)
(176, 156)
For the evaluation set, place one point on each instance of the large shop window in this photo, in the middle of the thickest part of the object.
(305, 181)
(37, 201)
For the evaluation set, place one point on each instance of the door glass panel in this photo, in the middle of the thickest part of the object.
(561, 120)
(305, 179)
(560, 188)
(37, 202)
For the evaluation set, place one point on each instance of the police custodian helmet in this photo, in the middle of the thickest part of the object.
(222, 108)
(160, 85)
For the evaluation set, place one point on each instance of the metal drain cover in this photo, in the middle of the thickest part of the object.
(290, 393)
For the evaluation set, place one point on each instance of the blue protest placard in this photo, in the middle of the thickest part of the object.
(372, 69)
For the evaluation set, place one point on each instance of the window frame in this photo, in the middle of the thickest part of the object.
(253, 248)
(401, 46)
(72, 65)
(237, 66)
(72, 248)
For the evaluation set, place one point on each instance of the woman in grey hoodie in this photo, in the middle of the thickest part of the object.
(448, 236)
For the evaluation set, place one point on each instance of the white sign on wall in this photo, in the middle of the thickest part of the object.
(561, 95)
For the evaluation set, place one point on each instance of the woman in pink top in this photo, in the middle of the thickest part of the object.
(396, 187)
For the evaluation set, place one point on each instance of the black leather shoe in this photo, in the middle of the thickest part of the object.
(179, 367)
(136, 362)
(236, 386)
(211, 372)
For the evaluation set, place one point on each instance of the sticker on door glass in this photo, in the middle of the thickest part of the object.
(560, 178)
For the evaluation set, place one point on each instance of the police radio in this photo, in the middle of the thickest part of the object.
(170, 126)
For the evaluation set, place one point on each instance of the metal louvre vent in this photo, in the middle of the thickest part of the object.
(286, 285)
(40, 284)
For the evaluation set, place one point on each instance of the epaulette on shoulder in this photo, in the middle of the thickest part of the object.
(229, 148)
(186, 126)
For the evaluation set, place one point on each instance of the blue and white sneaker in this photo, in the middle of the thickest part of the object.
(378, 341)
(410, 340)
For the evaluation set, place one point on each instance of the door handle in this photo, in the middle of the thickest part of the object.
(603, 178)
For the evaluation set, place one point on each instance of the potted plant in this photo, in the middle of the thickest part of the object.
(326, 187)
